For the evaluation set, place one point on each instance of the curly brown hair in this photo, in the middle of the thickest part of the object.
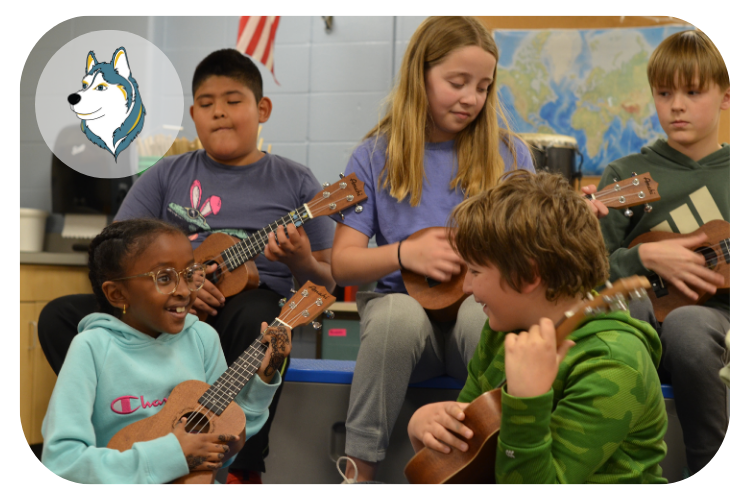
(533, 225)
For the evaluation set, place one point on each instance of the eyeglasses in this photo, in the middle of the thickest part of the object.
(167, 280)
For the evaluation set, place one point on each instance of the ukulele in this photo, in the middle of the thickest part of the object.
(664, 296)
(236, 271)
(483, 415)
(441, 300)
(211, 409)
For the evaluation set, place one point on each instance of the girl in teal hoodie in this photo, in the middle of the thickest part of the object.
(125, 361)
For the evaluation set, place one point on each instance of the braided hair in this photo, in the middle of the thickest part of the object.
(117, 242)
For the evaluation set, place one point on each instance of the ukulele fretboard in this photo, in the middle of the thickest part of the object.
(231, 382)
(247, 249)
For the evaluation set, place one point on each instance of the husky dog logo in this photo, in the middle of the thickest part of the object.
(109, 104)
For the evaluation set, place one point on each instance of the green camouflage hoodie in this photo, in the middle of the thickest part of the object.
(604, 419)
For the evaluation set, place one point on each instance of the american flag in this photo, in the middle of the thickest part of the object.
(255, 38)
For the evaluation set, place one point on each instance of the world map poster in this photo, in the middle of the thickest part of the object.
(588, 84)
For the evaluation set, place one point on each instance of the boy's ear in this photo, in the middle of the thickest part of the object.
(528, 287)
(264, 110)
(115, 294)
(725, 100)
(191, 113)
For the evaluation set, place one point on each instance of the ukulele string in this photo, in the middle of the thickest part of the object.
(255, 355)
(615, 198)
(714, 249)
(604, 192)
(257, 244)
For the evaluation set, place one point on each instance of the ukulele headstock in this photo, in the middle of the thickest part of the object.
(613, 298)
(306, 305)
(335, 197)
(629, 192)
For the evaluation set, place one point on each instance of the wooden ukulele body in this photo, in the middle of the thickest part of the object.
(244, 277)
(474, 466)
(182, 402)
(664, 296)
(441, 300)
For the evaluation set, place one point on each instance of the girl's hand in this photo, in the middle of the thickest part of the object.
(532, 360)
(431, 425)
(430, 254)
(202, 451)
(209, 297)
(290, 246)
(675, 262)
(599, 208)
(279, 346)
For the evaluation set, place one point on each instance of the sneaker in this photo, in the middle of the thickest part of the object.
(347, 480)
(240, 476)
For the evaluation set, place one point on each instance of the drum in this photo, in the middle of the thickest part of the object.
(555, 153)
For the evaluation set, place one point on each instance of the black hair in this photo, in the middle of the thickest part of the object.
(117, 242)
(233, 64)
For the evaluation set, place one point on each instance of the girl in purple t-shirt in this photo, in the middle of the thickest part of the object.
(439, 143)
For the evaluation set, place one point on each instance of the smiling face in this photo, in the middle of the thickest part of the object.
(506, 309)
(690, 117)
(457, 90)
(226, 118)
(149, 311)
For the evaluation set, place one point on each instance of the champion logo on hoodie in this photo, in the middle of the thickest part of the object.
(124, 406)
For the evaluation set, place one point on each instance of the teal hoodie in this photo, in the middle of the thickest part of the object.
(114, 375)
(604, 419)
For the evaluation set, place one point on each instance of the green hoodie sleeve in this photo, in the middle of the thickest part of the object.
(616, 227)
(70, 447)
(567, 444)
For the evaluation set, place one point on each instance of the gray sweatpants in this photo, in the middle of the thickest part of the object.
(693, 352)
(399, 344)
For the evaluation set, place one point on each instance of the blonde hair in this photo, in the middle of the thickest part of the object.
(687, 54)
(406, 121)
(533, 225)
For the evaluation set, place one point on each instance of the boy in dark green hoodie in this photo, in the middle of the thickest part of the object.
(587, 411)
(690, 86)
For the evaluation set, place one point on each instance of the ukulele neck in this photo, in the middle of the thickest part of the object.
(253, 245)
(231, 382)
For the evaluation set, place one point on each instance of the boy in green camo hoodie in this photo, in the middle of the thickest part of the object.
(587, 411)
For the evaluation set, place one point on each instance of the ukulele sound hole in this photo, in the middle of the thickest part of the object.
(214, 276)
(197, 423)
(712, 258)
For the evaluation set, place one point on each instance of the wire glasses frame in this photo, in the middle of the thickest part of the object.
(167, 280)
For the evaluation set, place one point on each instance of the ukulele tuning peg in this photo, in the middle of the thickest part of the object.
(608, 284)
(614, 179)
(326, 184)
(293, 290)
(329, 314)
(342, 216)
(358, 209)
(628, 212)
(633, 174)
(282, 302)
(647, 208)
(341, 176)
(316, 325)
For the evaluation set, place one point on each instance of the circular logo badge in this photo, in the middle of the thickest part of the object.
(109, 104)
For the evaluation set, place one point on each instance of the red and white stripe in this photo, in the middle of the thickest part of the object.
(256, 37)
